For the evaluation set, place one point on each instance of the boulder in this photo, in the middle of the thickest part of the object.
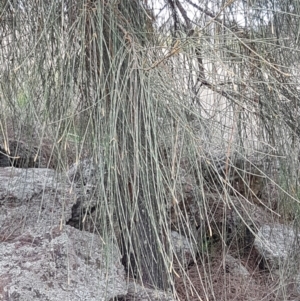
(42, 258)
(236, 268)
(276, 244)
(184, 249)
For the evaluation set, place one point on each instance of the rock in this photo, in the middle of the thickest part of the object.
(141, 293)
(276, 244)
(184, 249)
(235, 267)
(35, 197)
(83, 173)
(42, 258)
(239, 175)
(278, 247)
(185, 207)
(89, 212)
(61, 264)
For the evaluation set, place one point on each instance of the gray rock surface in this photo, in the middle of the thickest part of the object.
(42, 258)
(141, 293)
(277, 244)
(89, 213)
(184, 249)
(235, 267)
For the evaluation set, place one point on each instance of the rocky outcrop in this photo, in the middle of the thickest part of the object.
(42, 258)
(49, 249)
(61, 264)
